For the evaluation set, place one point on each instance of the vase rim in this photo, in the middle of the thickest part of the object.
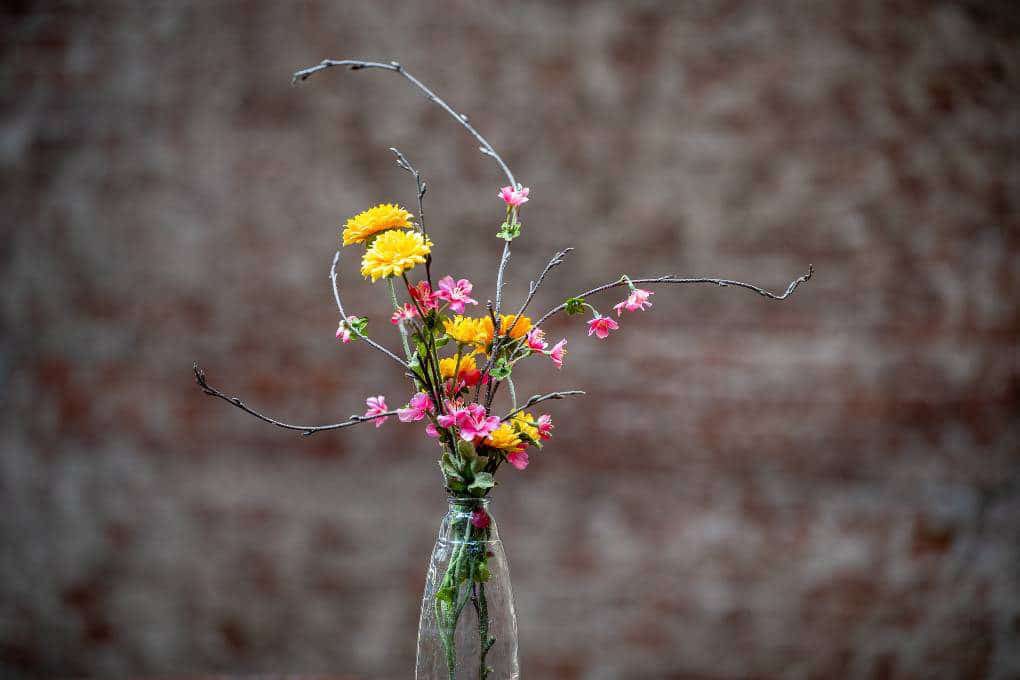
(468, 500)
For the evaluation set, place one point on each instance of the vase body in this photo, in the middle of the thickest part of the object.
(468, 628)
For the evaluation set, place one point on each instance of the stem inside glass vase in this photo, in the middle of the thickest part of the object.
(467, 566)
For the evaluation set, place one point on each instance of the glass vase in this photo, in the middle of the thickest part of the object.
(468, 628)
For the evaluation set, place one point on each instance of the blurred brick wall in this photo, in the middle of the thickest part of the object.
(826, 487)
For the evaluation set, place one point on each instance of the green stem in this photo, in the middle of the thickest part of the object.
(400, 324)
(485, 642)
(513, 392)
(451, 579)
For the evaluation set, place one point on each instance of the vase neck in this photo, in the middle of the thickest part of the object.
(469, 519)
(459, 504)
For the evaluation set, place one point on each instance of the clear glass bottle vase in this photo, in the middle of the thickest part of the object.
(468, 628)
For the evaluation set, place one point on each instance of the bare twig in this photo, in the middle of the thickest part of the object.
(305, 430)
(420, 184)
(556, 261)
(422, 187)
(343, 315)
(357, 64)
(673, 279)
(542, 397)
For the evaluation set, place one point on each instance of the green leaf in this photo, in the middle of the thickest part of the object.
(575, 305)
(483, 480)
(481, 574)
(508, 231)
(449, 469)
(501, 369)
(445, 594)
(466, 450)
(479, 463)
(358, 324)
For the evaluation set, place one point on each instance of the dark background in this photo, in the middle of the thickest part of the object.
(824, 487)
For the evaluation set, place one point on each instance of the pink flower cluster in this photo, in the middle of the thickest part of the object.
(535, 341)
(456, 293)
(470, 420)
(637, 300)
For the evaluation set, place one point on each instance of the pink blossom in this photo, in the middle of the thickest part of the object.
(456, 293)
(453, 412)
(474, 424)
(431, 430)
(518, 458)
(376, 405)
(404, 313)
(420, 404)
(346, 329)
(535, 340)
(545, 426)
(343, 333)
(601, 325)
(558, 351)
(637, 300)
(480, 519)
(423, 295)
(515, 197)
(471, 420)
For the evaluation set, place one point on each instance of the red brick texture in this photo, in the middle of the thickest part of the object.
(826, 487)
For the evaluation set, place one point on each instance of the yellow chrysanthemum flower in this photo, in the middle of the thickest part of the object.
(365, 224)
(463, 329)
(522, 421)
(394, 252)
(449, 364)
(520, 329)
(504, 437)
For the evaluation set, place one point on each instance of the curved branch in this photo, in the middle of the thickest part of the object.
(358, 64)
(343, 315)
(671, 279)
(542, 397)
(305, 430)
(485, 148)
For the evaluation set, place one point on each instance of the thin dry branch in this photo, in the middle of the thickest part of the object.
(542, 397)
(421, 187)
(305, 430)
(533, 286)
(673, 279)
(343, 315)
(396, 67)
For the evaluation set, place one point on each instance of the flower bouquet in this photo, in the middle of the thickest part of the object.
(457, 354)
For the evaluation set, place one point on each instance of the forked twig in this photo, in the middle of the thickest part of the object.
(672, 279)
(305, 430)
